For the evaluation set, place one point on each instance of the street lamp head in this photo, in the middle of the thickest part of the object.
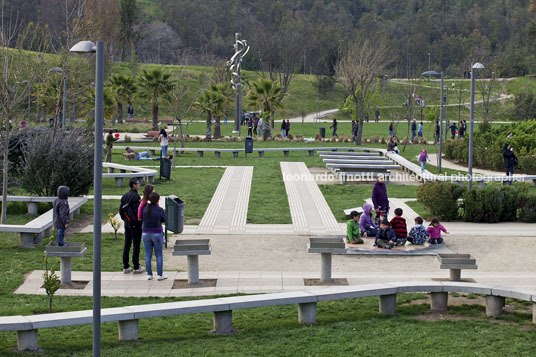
(84, 47)
(55, 69)
(430, 73)
(478, 65)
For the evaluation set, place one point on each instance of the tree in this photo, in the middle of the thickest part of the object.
(206, 104)
(128, 14)
(123, 89)
(222, 94)
(155, 85)
(267, 95)
(487, 87)
(359, 64)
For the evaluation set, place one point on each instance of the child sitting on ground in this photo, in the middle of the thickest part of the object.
(398, 223)
(386, 236)
(418, 234)
(434, 231)
(367, 226)
(353, 233)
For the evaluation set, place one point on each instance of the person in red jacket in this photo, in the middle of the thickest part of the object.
(398, 223)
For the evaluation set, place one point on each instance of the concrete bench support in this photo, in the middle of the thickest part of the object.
(150, 179)
(285, 153)
(439, 301)
(193, 269)
(200, 154)
(494, 305)
(111, 170)
(33, 208)
(128, 330)
(65, 270)
(118, 182)
(325, 269)
(123, 171)
(534, 312)
(217, 154)
(235, 154)
(261, 153)
(223, 322)
(27, 340)
(311, 153)
(30, 240)
(455, 274)
(388, 304)
(307, 313)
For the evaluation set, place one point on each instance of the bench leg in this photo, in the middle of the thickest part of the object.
(455, 274)
(33, 208)
(27, 340)
(534, 312)
(123, 171)
(307, 313)
(118, 182)
(128, 330)
(311, 153)
(439, 301)
(150, 179)
(388, 304)
(235, 154)
(111, 170)
(223, 322)
(325, 272)
(65, 270)
(71, 216)
(285, 153)
(199, 154)
(217, 154)
(261, 153)
(193, 269)
(27, 240)
(494, 305)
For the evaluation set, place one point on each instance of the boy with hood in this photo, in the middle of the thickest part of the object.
(368, 228)
(60, 214)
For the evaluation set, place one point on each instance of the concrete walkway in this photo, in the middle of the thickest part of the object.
(228, 209)
(309, 210)
(453, 166)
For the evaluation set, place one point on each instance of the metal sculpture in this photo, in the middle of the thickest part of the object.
(241, 49)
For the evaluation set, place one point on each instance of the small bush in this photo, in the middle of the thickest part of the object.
(491, 204)
(382, 140)
(127, 139)
(290, 136)
(441, 198)
(317, 137)
(527, 207)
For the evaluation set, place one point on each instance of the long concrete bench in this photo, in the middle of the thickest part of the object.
(353, 157)
(32, 233)
(33, 202)
(144, 174)
(357, 168)
(128, 316)
(357, 162)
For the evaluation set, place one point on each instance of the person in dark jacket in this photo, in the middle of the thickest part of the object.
(109, 145)
(128, 211)
(380, 200)
(385, 238)
(283, 128)
(153, 239)
(413, 130)
(60, 214)
(334, 127)
(510, 160)
(453, 128)
(288, 127)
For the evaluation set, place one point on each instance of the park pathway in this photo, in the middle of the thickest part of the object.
(308, 208)
(228, 209)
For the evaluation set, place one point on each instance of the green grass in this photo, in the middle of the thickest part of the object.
(421, 210)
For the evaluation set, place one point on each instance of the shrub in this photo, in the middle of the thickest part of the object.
(127, 139)
(290, 136)
(527, 207)
(323, 84)
(491, 204)
(49, 162)
(441, 198)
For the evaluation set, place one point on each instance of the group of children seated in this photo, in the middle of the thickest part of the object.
(391, 233)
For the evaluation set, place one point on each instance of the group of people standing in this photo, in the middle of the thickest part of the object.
(389, 234)
(285, 128)
(459, 130)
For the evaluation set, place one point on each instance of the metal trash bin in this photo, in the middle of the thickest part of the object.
(175, 214)
(322, 132)
(248, 140)
(165, 168)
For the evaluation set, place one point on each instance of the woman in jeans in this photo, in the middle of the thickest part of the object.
(152, 235)
(163, 138)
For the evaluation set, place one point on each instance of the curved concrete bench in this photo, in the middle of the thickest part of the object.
(222, 308)
(144, 174)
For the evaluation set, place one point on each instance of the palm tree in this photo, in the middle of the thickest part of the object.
(222, 94)
(123, 89)
(155, 85)
(108, 105)
(267, 95)
(207, 103)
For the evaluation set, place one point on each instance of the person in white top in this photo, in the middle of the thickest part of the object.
(163, 138)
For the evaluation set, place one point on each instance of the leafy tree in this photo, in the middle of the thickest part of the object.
(222, 96)
(128, 13)
(155, 85)
(206, 103)
(123, 89)
(267, 95)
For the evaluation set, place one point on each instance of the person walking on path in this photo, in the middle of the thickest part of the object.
(437, 132)
(391, 129)
(380, 200)
(287, 127)
(353, 233)
(283, 128)
(420, 130)
(423, 158)
(128, 212)
(60, 214)
(453, 128)
(334, 127)
(510, 160)
(250, 126)
(377, 114)
(163, 138)
(109, 145)
(153, 237)
(353, 131)
(413, 129)
(255, 125)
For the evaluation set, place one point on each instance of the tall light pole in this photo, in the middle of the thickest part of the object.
(472, 121)
(89, 47)
(434, 73)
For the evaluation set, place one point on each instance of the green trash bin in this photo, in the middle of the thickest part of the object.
(165, 168)
(322, 132)
(175, 214)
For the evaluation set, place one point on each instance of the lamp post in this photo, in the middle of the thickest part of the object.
(434, 73)
(472, 120)
(446, 113)
(89, 47)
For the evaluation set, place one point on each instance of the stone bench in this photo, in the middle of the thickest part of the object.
(73, 249)
(192, 248)
(32, 233)
(358, 162)
(141, 173)
(222, 308)
(349, 153)
(456, 262)
(363, 167)
(326, 247)
(33, 202)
